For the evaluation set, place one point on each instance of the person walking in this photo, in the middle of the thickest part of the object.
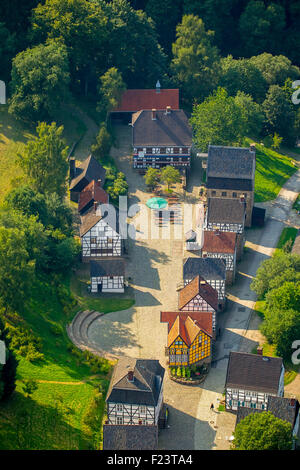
(212, 406)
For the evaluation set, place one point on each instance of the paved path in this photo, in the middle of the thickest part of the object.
(155, 266)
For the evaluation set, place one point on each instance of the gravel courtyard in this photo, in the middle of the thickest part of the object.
(155, 269)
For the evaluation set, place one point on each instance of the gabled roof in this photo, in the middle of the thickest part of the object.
(208, 268)
(230, 162)
(89, 220)
(107, 267)
(92, 217)
(225, 210)
(187, 325)
(219, 242)
(286, 409)
(126, 437)
(92, 193)
(89, 170)
(253, 372)
(172, 129)
(144, 390)
(136, 100)
(198, 286)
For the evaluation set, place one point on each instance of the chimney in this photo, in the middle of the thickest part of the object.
(168, 110)
(157, 87)
(130, 377)
(153, 114)
(259, 350)
(98, 183)
(252, 147)
(72, 168)
(293, 402)
(242, 198)
(95, 206)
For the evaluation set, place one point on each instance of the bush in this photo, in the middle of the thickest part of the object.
(178, 373)
(56, 330)
(25, 343)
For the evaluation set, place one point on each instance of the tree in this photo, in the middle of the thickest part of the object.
(101, 148)
(275, 69)
(82, 27)
(9, 370)
(276, 141)
(40, 80)
(16, 269)
(24, 199)
(280, 113)
(252, 115)
(194, 65)
(170, 175)
(111, 89)
(166, 15)
(219, 15)
(275, 271)
(286, 296)
(219, 120)
(133, 46)
(29, 387)
(241, 75)
(44, 160)
(261, 28)
(119, 187)
(7, 51)
(262, 431)
(152, 177)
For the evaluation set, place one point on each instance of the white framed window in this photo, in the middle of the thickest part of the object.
(142, 409)
(119, 407)
(119, 420)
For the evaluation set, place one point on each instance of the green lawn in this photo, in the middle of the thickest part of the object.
(288, 235)
(272, 171)
(53, 417)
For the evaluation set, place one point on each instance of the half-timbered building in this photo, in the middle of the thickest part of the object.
(99, 234)
(212, 270)
(82, 175)
(221, 245)
(161, 138)
(189, 337)
(107, 275)
(135, 394)
(91, 196)
(286, 409)
(251, 379)
(227, 215)
(231, 174)
(199, 296)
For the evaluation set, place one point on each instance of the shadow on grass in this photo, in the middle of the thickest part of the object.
(27, 425)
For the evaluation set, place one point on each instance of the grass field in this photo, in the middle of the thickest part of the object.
(272, 171)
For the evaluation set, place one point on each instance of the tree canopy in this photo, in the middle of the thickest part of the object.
(44, 160)
(40, 81)
(262, 431)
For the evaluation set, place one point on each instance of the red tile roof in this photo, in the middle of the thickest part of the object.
(92, 192)
(219, 242)
(203, 320)
(136, 100)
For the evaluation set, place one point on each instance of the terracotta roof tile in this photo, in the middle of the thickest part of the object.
(92, 192)
(203, 320)
(135, 100)
(219, 242)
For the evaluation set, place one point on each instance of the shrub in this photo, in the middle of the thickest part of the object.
(178, 372)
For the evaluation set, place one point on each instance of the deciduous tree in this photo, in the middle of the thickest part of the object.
(44, 160)
(262, 431)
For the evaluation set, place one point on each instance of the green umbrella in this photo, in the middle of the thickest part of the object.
(157, 203)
